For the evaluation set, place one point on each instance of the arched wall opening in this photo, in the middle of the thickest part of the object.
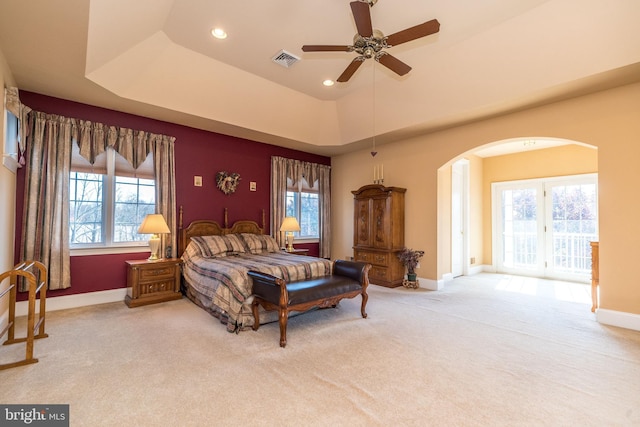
(513, 159)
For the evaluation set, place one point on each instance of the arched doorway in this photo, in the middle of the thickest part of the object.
(501, 161)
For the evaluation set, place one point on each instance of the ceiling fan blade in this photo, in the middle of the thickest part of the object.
(352, 68)
(394, 64)
(325, 48)
(362, 16)
(421, 30)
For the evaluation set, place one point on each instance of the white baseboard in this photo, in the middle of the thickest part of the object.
(475, 269)
(618, 318)
(487, 268)
(432, 285)
(77, 300)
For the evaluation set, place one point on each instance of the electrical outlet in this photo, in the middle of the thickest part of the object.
(197, 181)
(473, 260)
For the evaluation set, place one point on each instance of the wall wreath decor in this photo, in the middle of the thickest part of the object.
(227, 183)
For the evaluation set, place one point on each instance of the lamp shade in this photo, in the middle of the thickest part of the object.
(290, 223)
(153, 224)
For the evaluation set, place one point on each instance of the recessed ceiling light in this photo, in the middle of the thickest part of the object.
(219, 33)
(328, 82)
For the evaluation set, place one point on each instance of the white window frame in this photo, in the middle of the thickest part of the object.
(108, 211)
(302, 188)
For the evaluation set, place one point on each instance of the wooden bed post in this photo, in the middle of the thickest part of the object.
(180, 219)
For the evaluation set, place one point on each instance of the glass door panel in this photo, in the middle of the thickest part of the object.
(574, 224)
(520, 245)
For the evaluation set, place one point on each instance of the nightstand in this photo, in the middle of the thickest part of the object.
(297, 251)
(149, 282)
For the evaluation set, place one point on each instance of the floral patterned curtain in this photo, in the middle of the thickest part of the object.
(45, 225)
(45, 234)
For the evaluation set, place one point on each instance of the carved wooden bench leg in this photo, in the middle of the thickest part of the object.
(283, 326)
(256, 315)
(365, 298)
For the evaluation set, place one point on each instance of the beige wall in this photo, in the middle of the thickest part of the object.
(608, 120)
(560, 161)
(476, 200)
(7, 199)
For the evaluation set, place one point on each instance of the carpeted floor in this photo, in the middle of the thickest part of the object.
(488, 350)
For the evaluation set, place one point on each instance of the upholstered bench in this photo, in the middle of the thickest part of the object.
(349, 279)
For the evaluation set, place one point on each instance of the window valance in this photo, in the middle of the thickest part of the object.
(297, 169)
(134, 145)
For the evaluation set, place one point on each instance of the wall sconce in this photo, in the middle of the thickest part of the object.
(289, 225)
(154, 224)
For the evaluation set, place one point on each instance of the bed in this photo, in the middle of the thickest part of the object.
(216, 260)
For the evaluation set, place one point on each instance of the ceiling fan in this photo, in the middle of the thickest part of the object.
(370, 42)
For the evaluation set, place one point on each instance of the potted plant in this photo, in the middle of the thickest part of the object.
(409, 258)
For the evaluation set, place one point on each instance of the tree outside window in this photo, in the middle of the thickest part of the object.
(304, 205)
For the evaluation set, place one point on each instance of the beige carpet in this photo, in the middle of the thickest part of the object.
(474, 354)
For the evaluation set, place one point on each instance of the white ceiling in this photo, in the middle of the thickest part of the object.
(156, 58)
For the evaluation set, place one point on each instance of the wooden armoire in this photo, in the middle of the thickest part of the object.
(378, 232)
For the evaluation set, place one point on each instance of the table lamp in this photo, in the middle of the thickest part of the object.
(154, 224)
(289, 225)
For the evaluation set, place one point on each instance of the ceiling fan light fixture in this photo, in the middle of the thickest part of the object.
(219, 33)
(368, 52)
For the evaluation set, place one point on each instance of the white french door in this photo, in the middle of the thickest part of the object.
(459, 218)
(544, 227)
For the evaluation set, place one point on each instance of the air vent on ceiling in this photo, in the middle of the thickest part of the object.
(285, 58)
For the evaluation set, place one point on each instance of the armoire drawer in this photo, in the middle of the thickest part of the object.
(379, 273)
(375, 258)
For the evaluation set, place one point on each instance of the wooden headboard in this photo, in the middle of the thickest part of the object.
(212, 228)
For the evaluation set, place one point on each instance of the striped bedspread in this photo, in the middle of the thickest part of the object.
(221, 285)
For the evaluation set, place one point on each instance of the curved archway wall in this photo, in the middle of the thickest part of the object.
(573, 158)
(608, 120)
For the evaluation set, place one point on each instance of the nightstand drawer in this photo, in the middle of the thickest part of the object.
(147, 289)
(160, 273)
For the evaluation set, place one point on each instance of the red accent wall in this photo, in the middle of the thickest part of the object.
(197, 152)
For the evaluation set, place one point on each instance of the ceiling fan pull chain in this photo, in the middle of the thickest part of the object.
(373, 151)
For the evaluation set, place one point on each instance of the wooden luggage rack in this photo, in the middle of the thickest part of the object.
(26, 270)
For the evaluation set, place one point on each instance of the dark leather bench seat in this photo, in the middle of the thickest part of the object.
(349, 279)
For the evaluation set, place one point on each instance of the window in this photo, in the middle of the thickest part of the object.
(109, 200)
(11, 136)
(303, 203)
